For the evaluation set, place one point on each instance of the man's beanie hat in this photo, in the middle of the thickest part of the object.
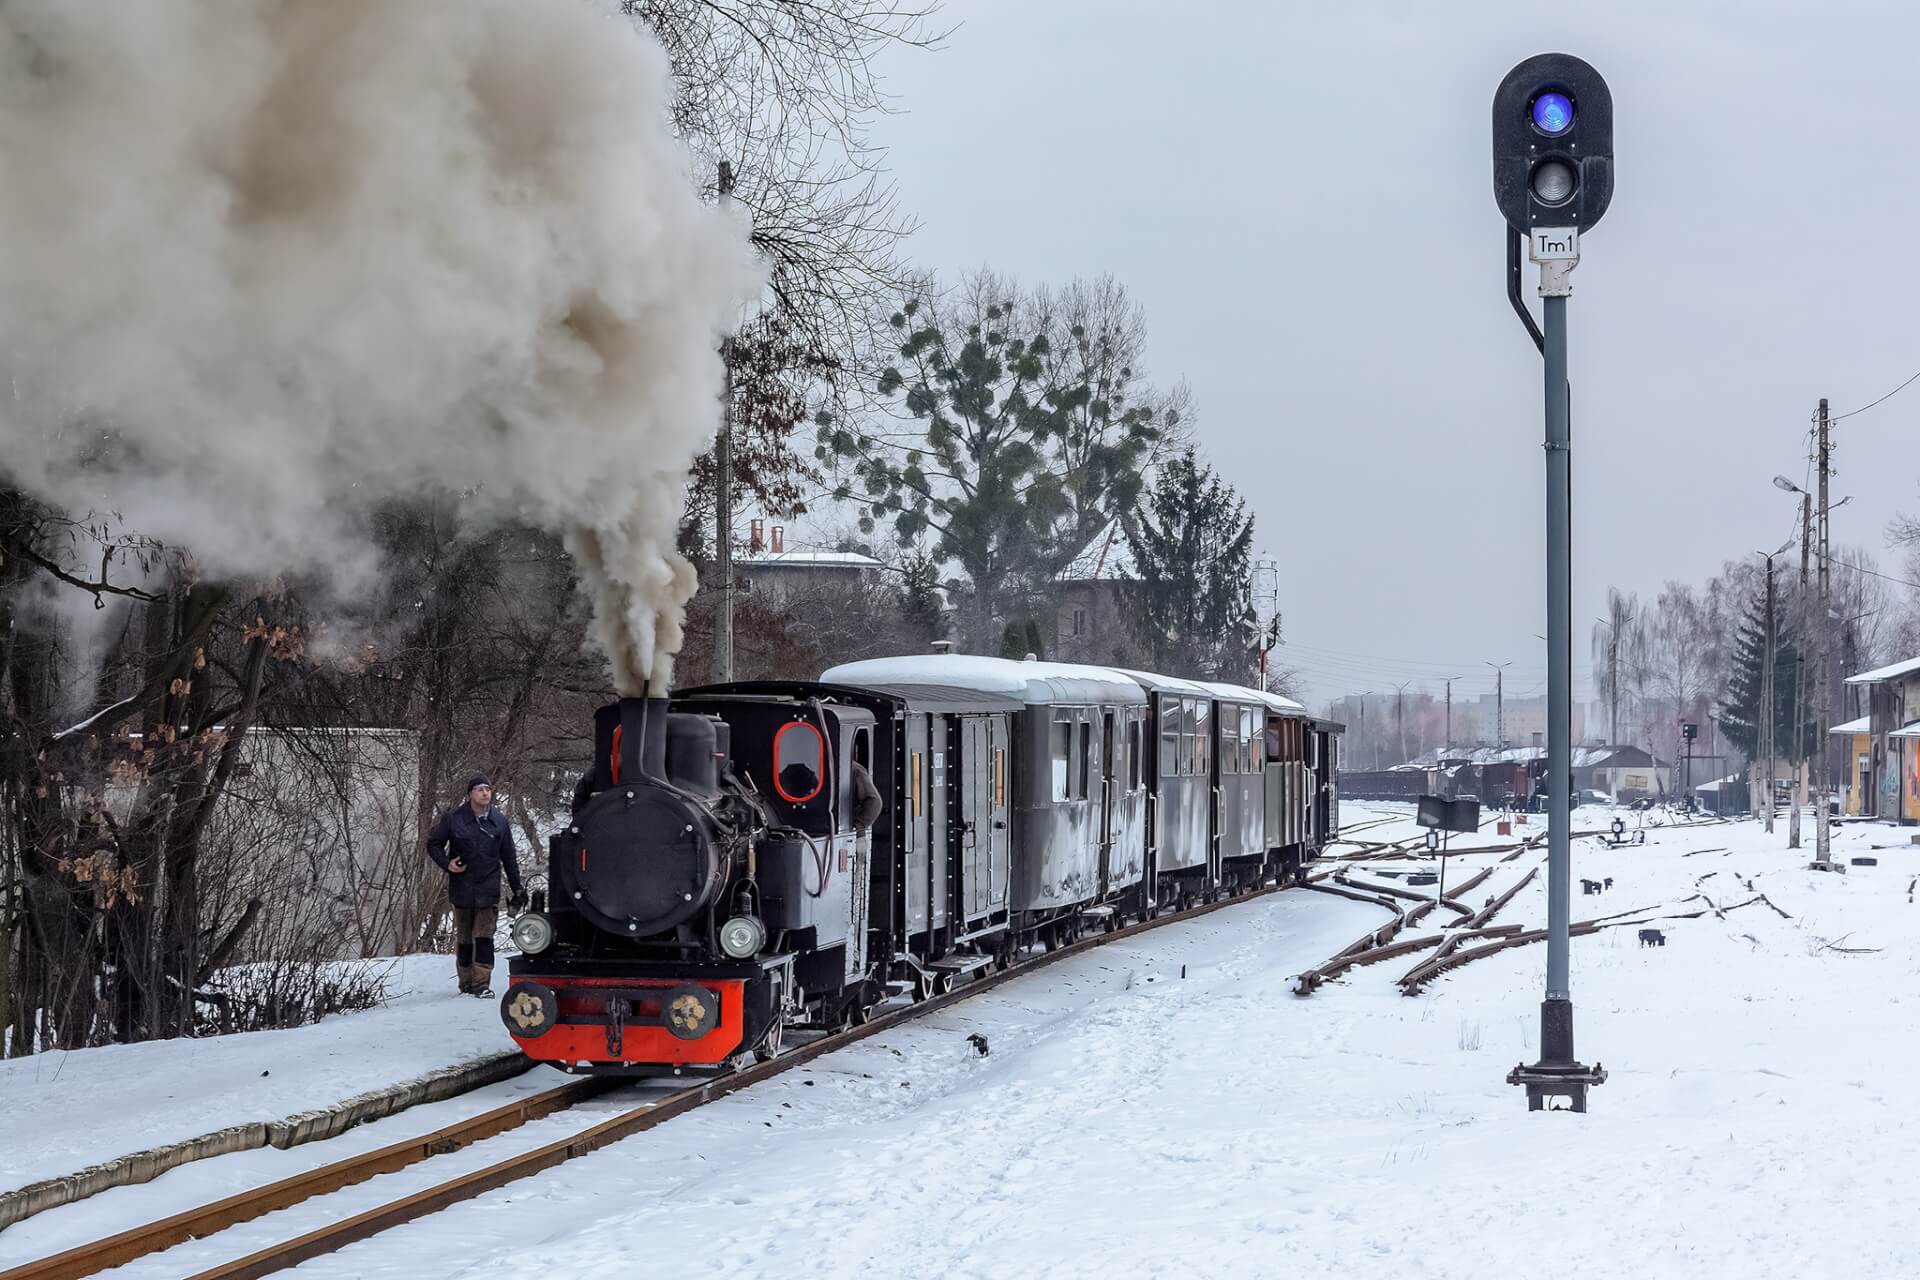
(478, 780)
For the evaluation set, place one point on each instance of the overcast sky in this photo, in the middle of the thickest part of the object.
(1300, 195)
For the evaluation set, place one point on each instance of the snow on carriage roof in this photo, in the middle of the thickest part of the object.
(1241, 693)
(1031, 682)
(1165, 684)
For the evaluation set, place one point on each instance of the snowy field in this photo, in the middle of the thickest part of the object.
(1130, 1120)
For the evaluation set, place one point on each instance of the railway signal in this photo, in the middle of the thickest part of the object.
(1553, 181)
(1553, 145)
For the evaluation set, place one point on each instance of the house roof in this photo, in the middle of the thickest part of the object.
(1882, 674)
(1107, 558)
(1911, 730)
(808, 560)
(1863, 725)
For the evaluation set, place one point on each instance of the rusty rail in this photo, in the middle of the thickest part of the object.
(1417, 977)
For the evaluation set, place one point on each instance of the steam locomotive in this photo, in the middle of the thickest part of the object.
(709, 893)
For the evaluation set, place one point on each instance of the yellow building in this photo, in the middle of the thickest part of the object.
(1883, 761)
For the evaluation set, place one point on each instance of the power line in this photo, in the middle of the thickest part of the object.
(1863, 408)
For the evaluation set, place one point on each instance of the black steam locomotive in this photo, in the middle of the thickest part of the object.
(709, 892)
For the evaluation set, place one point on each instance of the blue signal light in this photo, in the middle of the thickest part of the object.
(1553, 113)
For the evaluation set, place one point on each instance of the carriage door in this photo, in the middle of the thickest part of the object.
(1107, 782)
(976, 820)
(999, 832)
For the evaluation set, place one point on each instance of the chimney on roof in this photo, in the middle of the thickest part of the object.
(756, 536)
(943, 646)
(779, 543)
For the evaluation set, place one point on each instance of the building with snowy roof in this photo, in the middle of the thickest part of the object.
(780, 572)
(1090, 623)
(1880, 766)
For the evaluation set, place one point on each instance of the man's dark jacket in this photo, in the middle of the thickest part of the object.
(485, 845)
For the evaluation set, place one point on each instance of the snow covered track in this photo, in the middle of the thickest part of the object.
(194, 1224)
(314, 1125)
(199, 1223)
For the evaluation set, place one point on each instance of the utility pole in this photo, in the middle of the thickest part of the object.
(1769, 707)
(1399, 716)
(1823, 845)
(723, 495)
(1499, 702)
(1800, 678)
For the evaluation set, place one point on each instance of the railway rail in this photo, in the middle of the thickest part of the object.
(206, 1221)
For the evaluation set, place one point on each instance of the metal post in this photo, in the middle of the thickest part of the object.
(1449, 716)
(1823, 757)
(1556, 1039)
(723, 497)
(1558, 1072)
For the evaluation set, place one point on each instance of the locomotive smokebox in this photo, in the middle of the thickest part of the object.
(640, 857)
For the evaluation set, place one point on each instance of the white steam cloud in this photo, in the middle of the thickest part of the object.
(265, 264)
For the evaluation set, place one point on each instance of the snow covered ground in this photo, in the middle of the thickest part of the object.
(1130, 1120)
(60, 1112)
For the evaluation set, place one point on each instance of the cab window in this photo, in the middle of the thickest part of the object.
(799, 762)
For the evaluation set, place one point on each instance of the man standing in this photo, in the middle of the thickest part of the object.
(473, 844)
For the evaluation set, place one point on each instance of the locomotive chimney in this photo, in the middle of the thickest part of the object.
(630, 741)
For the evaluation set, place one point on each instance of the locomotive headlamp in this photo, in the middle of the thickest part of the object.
(532, 933)
(742, 936)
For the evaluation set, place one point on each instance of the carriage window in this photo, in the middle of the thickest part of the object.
(799, 762)
(999, 778)
(1201, 712)
(1133, 755)
(1061, 747)
(1086, 760)
(916, 784)
(1169, 737)
(1249, 734)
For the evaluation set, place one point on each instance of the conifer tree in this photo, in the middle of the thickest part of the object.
(1741, 713)
(1191, 604)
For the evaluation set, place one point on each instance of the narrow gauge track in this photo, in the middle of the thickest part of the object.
(144, 1241)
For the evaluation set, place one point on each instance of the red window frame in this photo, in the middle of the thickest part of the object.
(820, 762)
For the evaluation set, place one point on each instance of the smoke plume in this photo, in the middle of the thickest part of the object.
(268, 264)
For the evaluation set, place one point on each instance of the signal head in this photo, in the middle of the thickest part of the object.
(1553, 144)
